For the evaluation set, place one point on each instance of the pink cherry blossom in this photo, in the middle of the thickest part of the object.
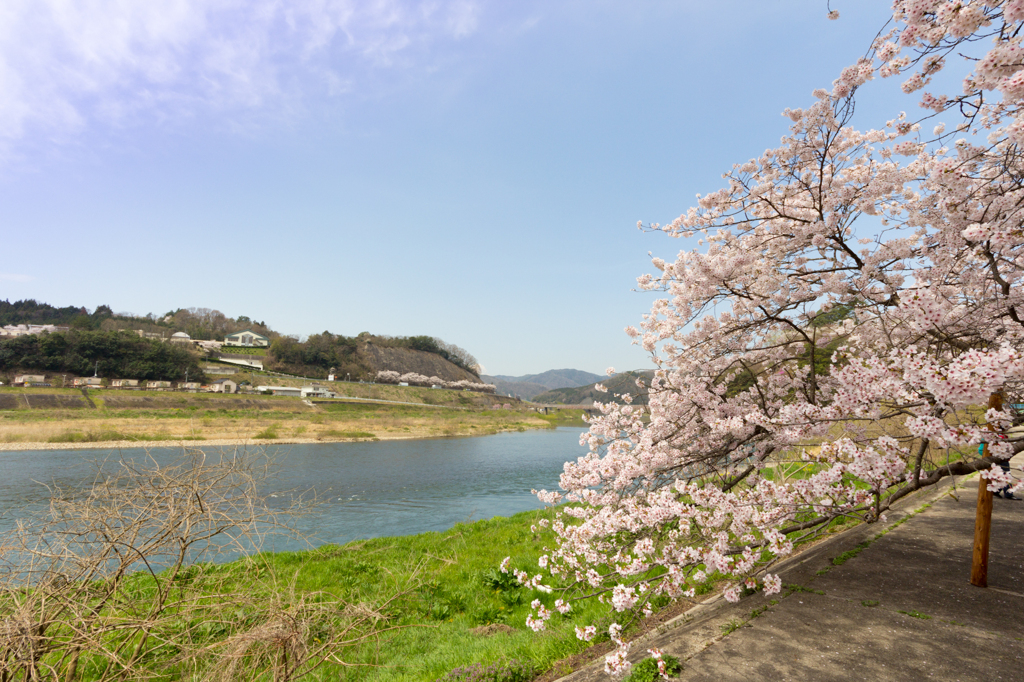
(854, 299)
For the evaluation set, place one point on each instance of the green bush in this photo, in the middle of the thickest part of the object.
(647, 669)
(498, 581)
(268, 433)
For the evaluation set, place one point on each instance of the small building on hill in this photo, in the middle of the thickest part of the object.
(316, 392)
(124, 383)
(158, 385)
(246, 339)
(180, 337)
(29, 379)
(224, 386)
(192, 386)
(94, 382)
(280, 390)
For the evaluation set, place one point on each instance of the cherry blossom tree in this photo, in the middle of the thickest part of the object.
(831, 345)
(416, 379)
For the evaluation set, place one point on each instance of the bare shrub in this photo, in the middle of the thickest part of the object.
(119, 581)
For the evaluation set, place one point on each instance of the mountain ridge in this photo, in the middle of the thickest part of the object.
(529, 385)
(622, 382)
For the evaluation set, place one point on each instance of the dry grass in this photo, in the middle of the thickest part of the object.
(312, 425)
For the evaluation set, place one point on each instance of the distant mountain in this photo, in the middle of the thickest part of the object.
(530, 385)
(624, 382)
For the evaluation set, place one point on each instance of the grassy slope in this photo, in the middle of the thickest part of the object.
(437, 620)
(448, 596)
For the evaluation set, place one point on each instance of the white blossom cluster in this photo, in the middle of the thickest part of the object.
(414, 379)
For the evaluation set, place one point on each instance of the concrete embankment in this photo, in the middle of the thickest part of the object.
(901, 608)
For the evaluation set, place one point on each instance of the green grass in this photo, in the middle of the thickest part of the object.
(242, 350)
(792, 588)
(732, 626)
(849, 554)
(335, 433)
(564, 418)
(916, 614)
(452, 587)
(268, 433)
(111, 435)
(647, 669)
(437, 592)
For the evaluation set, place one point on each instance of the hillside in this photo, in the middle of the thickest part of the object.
(109, 354)
(382, 358)
(359, 357)
(530, 385)
(624, 382)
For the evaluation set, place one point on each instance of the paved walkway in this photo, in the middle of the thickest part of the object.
(901, 609)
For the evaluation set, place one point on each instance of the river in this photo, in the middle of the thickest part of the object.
(367, 489)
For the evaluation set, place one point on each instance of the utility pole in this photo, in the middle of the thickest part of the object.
(983, 517)
(96, 369)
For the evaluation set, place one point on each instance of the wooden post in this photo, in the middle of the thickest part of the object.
(983, 517)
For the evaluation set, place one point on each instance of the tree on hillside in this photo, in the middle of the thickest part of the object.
(317, 355)
(460, 356)
(112, 354)
(909, 239)
(29, 311)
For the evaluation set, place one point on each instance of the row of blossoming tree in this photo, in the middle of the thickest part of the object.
(415, 379)
(831, 346)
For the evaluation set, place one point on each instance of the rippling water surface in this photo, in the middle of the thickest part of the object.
(368, 489)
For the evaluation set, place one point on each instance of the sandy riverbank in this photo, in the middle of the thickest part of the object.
(232, 442)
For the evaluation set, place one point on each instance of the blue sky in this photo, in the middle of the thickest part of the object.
(470, 170)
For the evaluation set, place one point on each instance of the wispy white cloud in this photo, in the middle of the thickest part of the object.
(15, 277)
(66, 64)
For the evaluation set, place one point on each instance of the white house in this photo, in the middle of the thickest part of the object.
(224, 386)
(316, 392)
(88, 381)
(217, 369)
(29, 379)
(158, 384)
(180, 337)
(124, 383)
(247, 339)
(281, 390)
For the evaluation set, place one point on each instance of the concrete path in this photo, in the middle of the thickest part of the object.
(900, 609)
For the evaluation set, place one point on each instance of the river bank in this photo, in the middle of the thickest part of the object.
(17, 446)
(33, 419)
(403, 559)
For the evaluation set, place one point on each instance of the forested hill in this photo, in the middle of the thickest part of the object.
(32, 312)
(624, 382)
(361, 357)
(111, 354)
(357, 357)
